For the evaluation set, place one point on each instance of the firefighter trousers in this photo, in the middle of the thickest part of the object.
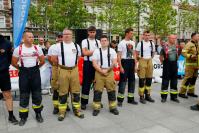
(88, 78)
(129, 74)
(102, 82)
(189, 81)
(169, 76)
(29, 83)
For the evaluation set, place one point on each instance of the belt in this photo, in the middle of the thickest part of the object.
(109, 70)
(67, 68)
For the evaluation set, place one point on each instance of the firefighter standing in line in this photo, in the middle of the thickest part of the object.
(29, 55)
(127, 61)
(169, 58)
(104, 59)
(190, 52)
(88, 47)
(66, 55)
(54, 79)
(5, 85)
(145, 52)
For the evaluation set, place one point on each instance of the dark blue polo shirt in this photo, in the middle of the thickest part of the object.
(5, 54)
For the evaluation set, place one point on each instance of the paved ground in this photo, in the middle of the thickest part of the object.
(150, 118)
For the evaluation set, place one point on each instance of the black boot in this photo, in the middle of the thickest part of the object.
(192, 95)
(39, 118)
(132, 101)
(182, 95)
(96, 112)
(114, 111)
(22, 121)
(55, 111)
(13, 120)
(148, 98)
(142, 100)
(195, 107)
(163, 100)
(175, 100)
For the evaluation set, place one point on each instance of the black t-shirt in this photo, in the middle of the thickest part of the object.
(5, 54)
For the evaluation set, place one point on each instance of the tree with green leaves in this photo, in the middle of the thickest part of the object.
(161, 17)
(59, 14)
(117, 14)
(188, 17)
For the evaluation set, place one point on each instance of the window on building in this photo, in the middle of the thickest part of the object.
(2, 22)
(1, 4)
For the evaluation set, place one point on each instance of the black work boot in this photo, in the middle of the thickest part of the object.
(22, 121)
(195, 107)
(39, 118)
(114, 111)
(132, 101)
(163, 100)
(149, 99)
(182, 95)
(13, 120)
(192, 95)
(55, 111)
(175, 100)
(96, 112)
(142, 100)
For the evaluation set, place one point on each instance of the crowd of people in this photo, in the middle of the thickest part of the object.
(99, 60)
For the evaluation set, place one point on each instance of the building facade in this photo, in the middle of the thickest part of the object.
(6, 19)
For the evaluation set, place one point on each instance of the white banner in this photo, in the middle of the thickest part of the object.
(157, 69)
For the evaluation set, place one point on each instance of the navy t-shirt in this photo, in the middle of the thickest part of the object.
(5, 54)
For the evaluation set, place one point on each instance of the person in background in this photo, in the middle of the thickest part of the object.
(113, 45)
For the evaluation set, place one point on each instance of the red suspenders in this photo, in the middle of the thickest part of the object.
(20, 54)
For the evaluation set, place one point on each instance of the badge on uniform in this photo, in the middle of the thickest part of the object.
(74, 50)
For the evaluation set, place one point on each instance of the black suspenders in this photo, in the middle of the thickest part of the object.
(62, 54)
(89, 47)
(151, 48)
(101, 57)
(76, 54)
(142, 53)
